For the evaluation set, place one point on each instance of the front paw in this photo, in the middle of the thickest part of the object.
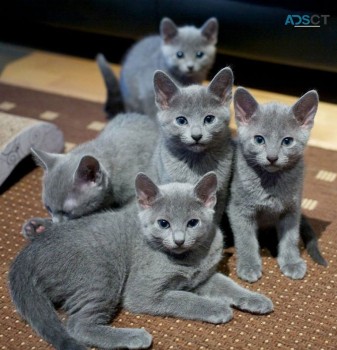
(223, 315)
(34, 227)
(296, 270)
(256, 303)
(249, 273)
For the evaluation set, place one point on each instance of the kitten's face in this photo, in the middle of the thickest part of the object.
(195, 121)
(189, 53)
(71, 187)
(273, 140)
(178, 218)
(189, 50)
(194, 118)
(273, 136)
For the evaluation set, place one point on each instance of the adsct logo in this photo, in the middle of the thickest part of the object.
(306, 21)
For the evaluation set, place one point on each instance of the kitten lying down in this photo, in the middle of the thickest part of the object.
(158, 256)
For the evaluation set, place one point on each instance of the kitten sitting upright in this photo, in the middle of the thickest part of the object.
(98, 174)
(266, 189)
(186, 53)
(159, 259)
(194, 132)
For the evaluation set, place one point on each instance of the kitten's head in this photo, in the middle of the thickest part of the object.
(177, 217)
(72, 187)
(194, 118)
(273, 136)
(189, 50)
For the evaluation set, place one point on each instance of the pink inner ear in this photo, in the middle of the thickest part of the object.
(210, 202)
(240, 114)
(143, 200)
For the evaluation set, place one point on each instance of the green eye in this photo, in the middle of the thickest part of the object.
(180, 54)
(199, 54)
(209, 119)
(287, 141)
(181, 121)
(163, 224)
(259, 140)
(193, 223)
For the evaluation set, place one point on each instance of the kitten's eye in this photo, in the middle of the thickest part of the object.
(193, 223)
(180, 54)
(181, 121)
(49, 209)
(199, 54)
(259, 140)
(287, 141)
(163, 223)
(209, 119)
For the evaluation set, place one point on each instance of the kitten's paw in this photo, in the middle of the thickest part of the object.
(34, 227)
(296, 270)
(224, 315)
(249, 273)
(138, 339)
(256, 303)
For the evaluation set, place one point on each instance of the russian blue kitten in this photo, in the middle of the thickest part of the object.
(100, 173)
(159, 259)
(266, 190)
(185, 53)
(194, 131)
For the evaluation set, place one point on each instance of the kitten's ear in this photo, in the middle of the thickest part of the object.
(88, 171)
(244, 105)
(168, 30)
(164, 89)
(146, 190)
(44, 159)
(305, 109)
(206, 189)
(222, 84)
(210, 30)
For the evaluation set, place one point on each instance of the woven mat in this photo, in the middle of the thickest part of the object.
(305, 311)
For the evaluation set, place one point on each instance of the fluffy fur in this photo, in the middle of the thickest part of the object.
(185, 53)
(159, 259)
(266, 190)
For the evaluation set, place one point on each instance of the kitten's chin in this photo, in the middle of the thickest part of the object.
(197, 147)
(272, 168)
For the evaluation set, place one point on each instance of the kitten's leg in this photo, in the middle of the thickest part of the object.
(187, 305)
(249, 266)
(222, 287)
(34, 227)
(289, 260)
(90, 326)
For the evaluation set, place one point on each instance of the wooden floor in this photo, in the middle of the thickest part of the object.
(79, 77)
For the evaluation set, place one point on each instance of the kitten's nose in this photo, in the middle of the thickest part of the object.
(197, 137)
(190, 68)
(179, 238)
(272, 159)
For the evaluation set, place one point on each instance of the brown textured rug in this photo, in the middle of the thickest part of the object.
(305, 311)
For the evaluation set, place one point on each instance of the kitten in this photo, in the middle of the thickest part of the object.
(185, 53)
(266, 190)
(159, 259)
(97, 174)
(195, 136)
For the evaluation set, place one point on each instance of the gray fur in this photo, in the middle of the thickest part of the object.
(95, 264)
(100, 173)
(266, 190)
(159, 52)
(186, 152)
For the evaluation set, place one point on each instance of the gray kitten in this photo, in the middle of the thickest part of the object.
(266, 190)
(195, 136)
(159, 259)
(185, 53)
(100, 173)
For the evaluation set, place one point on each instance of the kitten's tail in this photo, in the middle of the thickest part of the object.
(36, 308)
(114, 101)
(310, 241)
